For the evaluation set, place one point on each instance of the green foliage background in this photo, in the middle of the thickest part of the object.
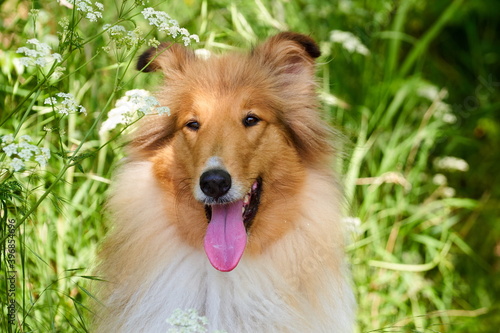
(425, 257)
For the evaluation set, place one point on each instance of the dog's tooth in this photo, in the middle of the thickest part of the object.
(246, 200)
(242, 210)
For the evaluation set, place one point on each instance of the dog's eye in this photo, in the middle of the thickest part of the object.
(250, 120)
(193, 125)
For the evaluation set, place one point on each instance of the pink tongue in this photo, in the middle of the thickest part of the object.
(226, 236)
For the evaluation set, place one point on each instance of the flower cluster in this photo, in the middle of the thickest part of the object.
(65, 103)
(40, 55)
(122, 37)
(132, 106)
(188, 322)
(443, 190)
(349, 42)
(23, 151)
(451, 163)
(92, 12)
(436, 96)
(164, 23)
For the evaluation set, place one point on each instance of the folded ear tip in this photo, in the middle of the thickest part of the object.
(144, 63)
(167, 57)
(307, 42)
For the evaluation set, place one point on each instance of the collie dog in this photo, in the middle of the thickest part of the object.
(229, 205)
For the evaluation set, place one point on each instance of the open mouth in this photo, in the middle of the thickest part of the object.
(226, 235)
(251, 203)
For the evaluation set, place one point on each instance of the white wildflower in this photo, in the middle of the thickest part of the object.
(66, 104)
(10, 149)
(9, 138)
(429, 92)
(451, 163)
(25, 154)
(22, 151)
(194, 37)
(124, 38)
(153, 42)
(448, 192)
(25, 138)
(164, 23)
(439, 179)
(17, 164)
(64, 23)
(159, 19)
(132, 106)
(40, 55)
(203, 54)
(50, 101)
(106, 49)
(436, 96)
(92, 11)
(449, 118)
(43, 157)
(349, 42)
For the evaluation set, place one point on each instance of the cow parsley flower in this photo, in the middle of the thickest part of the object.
(10, 150)
(164, 23)
(124, 38)
(17, 164)
(135, 104)
(153, 42)
(65, 104)
(22, 151)
(43, 156)
(349, 42)
(92, 11)
(40, 55)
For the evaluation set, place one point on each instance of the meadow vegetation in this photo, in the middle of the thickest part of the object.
(412, 85)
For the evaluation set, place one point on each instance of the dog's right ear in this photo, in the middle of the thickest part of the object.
(167, 57)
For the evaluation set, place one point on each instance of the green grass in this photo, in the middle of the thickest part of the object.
(423, 257)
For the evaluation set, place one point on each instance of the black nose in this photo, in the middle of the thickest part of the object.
(215, 183)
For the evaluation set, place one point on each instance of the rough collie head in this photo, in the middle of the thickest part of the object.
(232, 156)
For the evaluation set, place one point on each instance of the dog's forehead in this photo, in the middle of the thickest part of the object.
(226, 73)
(213, 104)
(226, 86)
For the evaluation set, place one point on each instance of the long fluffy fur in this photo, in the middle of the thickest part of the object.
(292, 277)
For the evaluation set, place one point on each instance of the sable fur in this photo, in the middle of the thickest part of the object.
(292, 277)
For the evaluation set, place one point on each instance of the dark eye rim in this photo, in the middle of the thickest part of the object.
(251, 120)
(193, 125)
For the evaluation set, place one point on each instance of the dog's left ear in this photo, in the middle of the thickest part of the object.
(291, 58)
(289, 52)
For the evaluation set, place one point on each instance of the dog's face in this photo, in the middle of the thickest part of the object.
(233, 153)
